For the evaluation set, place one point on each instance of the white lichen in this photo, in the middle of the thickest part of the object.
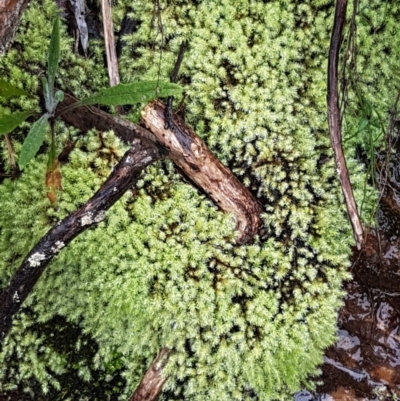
(147, 159)
(16, 297)
(35, 259)
(58, 246)
(100, 216)
(87, 219)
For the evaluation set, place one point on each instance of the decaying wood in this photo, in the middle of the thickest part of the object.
(335, 125)
(153, 381)
(123, 176)
(187, 151)
(89, 117)
(112, 62)
(197, 162)
(10, 13)
(78, 8)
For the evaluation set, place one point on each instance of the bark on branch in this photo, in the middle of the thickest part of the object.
(187, 151)
(92, 212)
(10, 13)
(153, 381)
(88, 117)
(335, 125)
(199, 164)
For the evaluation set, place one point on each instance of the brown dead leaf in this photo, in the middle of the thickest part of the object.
(53, 181)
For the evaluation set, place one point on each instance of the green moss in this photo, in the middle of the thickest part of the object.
(244, 322)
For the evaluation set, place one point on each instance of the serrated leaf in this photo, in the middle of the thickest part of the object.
(137, 92)
(9, 122)
(8, 90)
(54, 53)
(33, 141)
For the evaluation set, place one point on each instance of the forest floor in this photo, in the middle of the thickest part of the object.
(364, 364)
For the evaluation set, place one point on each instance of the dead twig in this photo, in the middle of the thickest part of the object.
(199, 164)
(112, 62)
(335, 125)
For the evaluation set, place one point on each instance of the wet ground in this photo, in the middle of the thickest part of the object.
(364, 364)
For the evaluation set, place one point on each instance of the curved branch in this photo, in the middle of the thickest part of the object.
(92, 212)
(334, 122)
(199, 164)
(185, 148)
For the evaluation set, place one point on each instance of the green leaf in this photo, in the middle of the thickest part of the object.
(54, 53)
(133, 93)
(9, 122)
(59, 96)
(8, 90)
(48, 96)
(362, 124)
(33, 141)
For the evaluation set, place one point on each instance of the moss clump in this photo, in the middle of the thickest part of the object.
(247, 322)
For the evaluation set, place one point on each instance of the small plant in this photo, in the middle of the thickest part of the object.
(121, 94)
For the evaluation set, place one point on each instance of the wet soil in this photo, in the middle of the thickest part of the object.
(364, 364)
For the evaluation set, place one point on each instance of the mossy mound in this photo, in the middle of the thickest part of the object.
(244, 322)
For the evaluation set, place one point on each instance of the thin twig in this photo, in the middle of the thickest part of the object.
(335, 125)
(112, 62)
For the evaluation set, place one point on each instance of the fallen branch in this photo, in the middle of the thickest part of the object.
(88, 117)
(335, 125)
(196, 161)
(123, 176)
(153, 381)
(186, 150)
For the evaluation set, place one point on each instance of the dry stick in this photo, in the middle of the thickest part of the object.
(334, 122)
(123, 176)
(187, 151)
(112, 62)
(199, 164)
(10, 13)
(153, 381)
(88, 117)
